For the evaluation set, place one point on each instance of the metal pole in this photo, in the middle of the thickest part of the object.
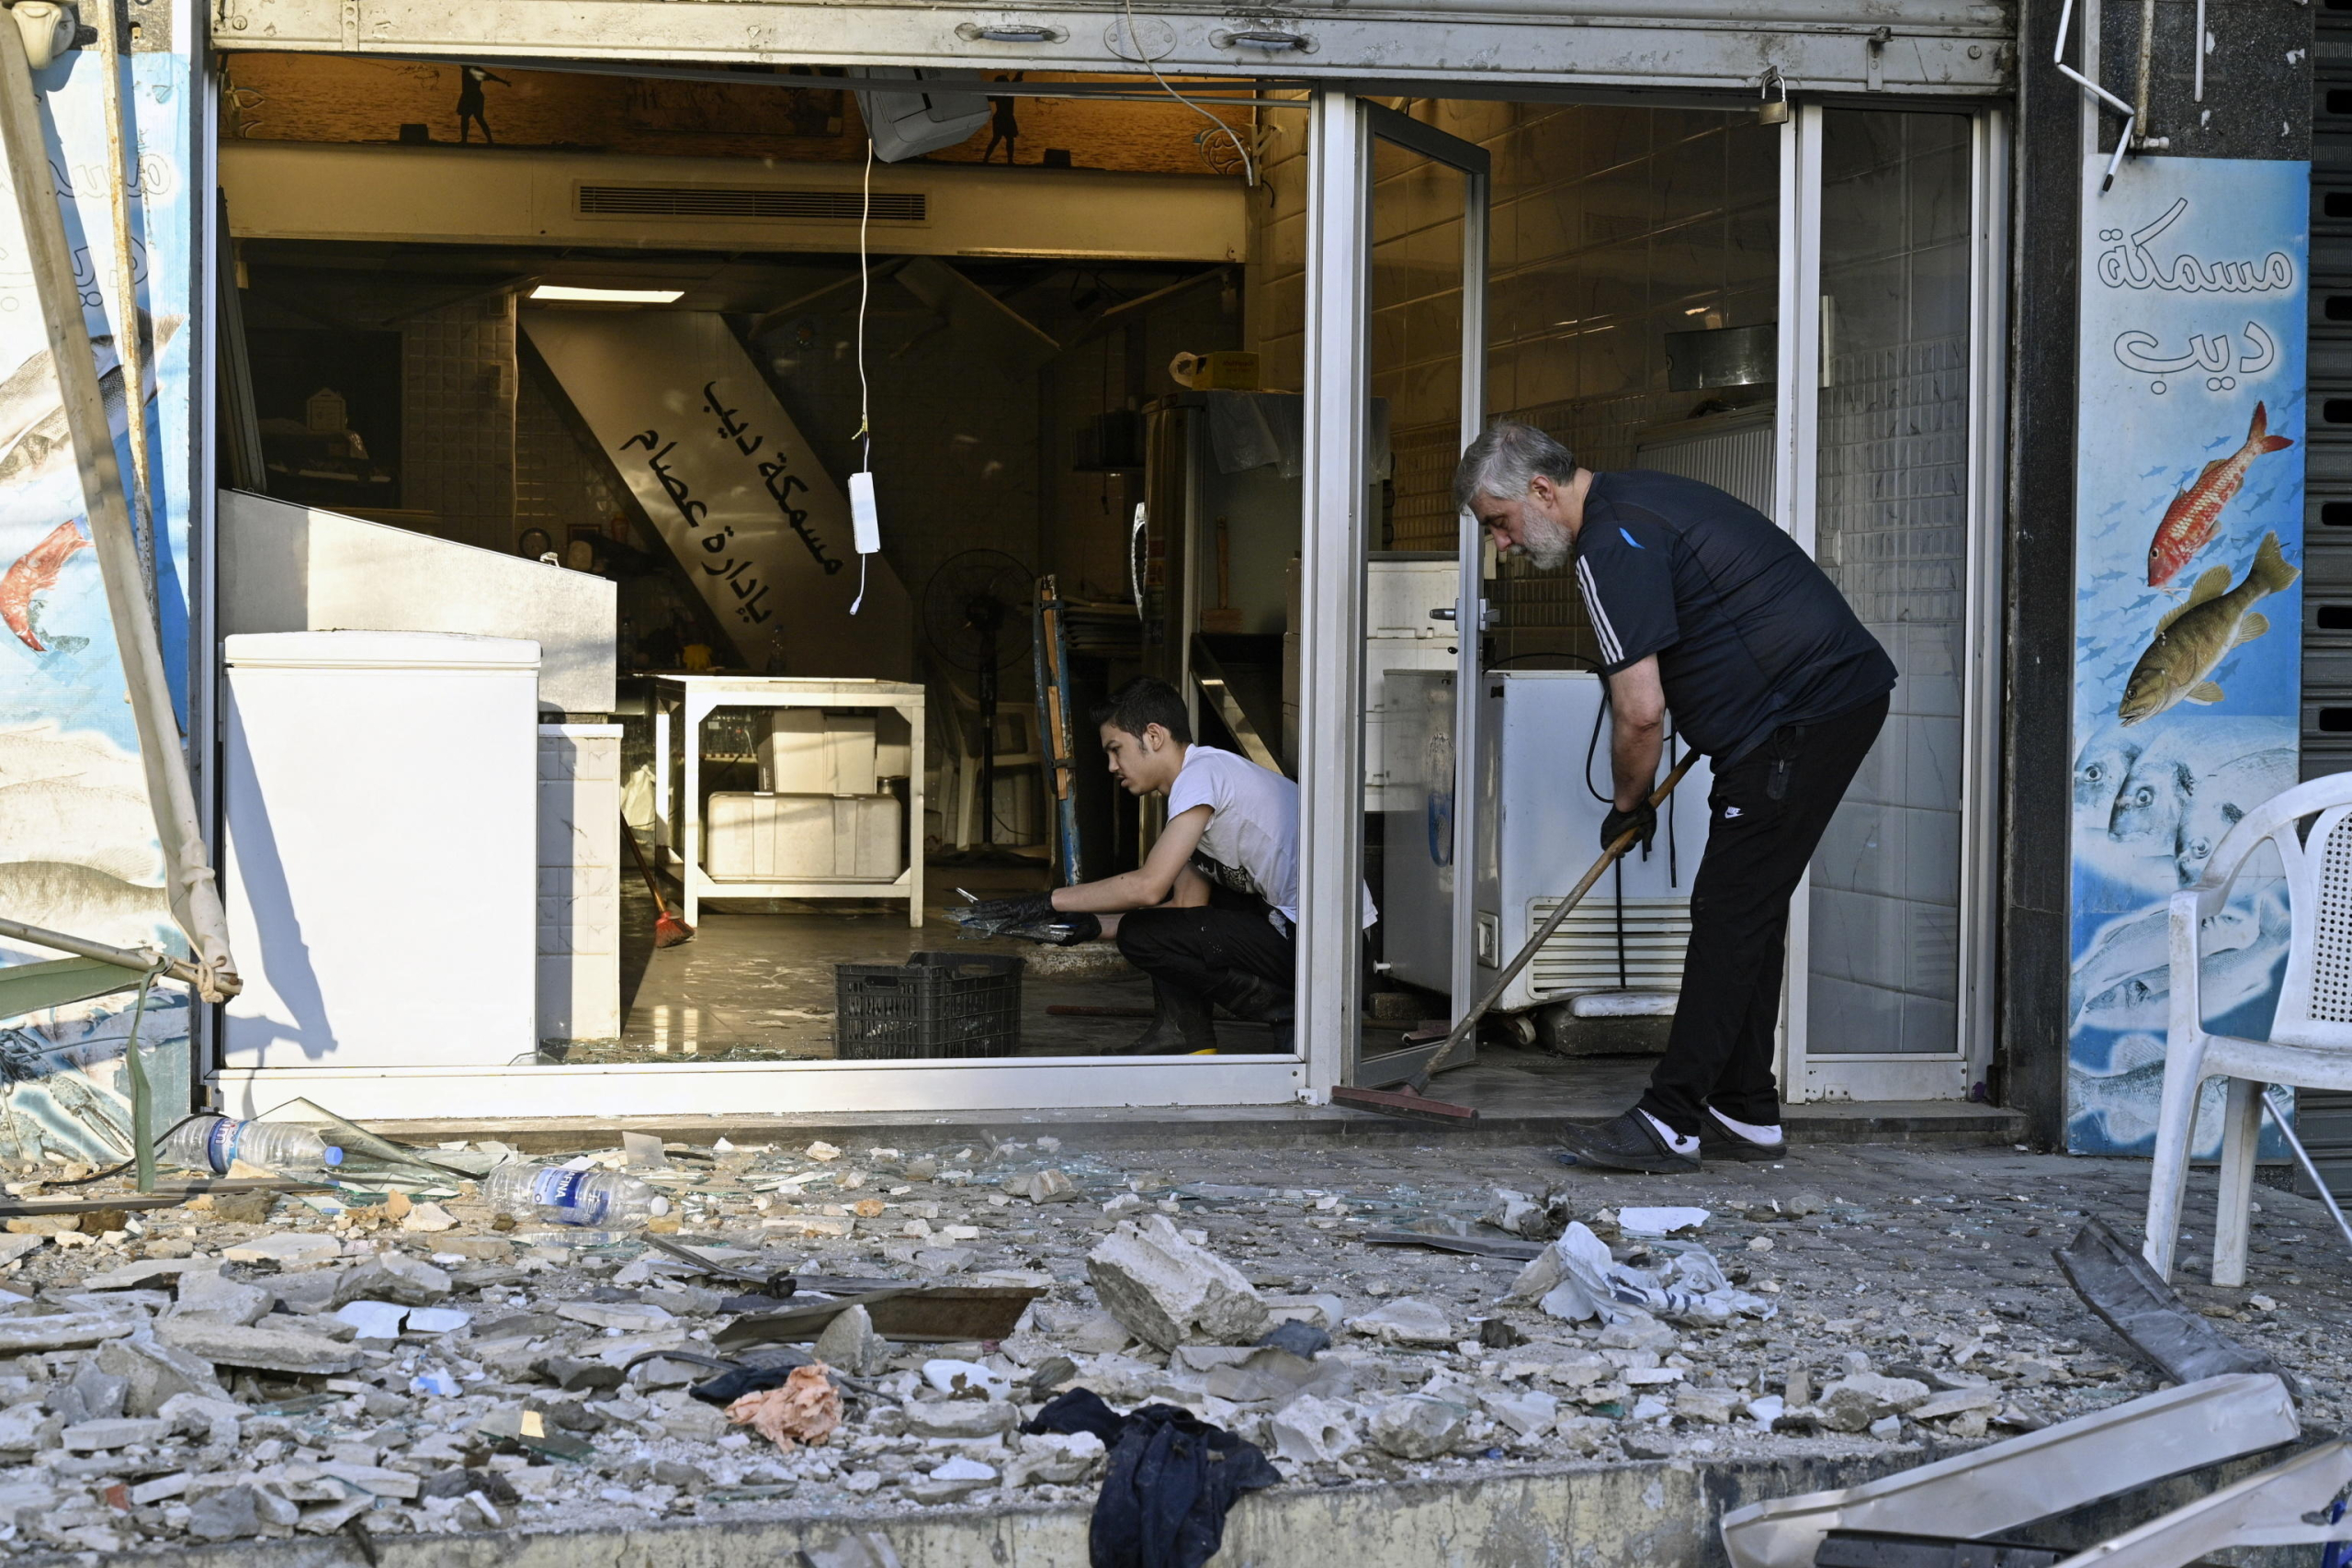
(194, 897)
(125, 957)
(130, 342)
(2296, 1144)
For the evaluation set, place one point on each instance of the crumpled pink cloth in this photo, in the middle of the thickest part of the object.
(805, 1410)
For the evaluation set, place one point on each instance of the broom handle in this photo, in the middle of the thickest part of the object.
(1419, 1082)
(637, 854)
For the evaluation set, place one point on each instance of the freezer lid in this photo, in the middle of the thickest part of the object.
(378, 650)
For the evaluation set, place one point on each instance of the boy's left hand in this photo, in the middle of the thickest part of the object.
(1028, 909)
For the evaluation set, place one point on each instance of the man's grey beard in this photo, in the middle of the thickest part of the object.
(1547, 543)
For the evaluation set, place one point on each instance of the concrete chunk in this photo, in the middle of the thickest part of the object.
(1418, 1426)
(394, 1276)
(1853, 1403)
(960, 1417)
(154, 1374)
(64, 1331)
(1167, 1291)
(285, 1249)
(1314, 1431)
(210, 1293)
(118, 1433)
(1406, 1321)
(265, 1349)
(850, 1344)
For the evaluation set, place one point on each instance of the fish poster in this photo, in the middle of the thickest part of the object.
(78, 852)
(2188, 608)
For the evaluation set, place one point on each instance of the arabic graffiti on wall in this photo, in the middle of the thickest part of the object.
(77, 839)
(2188, 607)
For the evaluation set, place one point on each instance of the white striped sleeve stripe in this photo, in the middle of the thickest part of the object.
(1612, 651)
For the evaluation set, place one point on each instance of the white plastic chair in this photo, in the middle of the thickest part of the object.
(2311, 1036)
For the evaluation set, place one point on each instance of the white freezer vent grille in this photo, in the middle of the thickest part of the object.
(1582, 954)
(755, 203)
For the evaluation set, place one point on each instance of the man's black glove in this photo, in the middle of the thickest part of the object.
(1026, 911)
(1062, 931)
(1642, 819)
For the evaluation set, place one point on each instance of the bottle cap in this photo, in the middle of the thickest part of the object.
(332, 1155)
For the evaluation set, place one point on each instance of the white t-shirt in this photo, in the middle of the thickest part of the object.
(1252, 843)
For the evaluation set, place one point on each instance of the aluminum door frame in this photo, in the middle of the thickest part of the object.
(1341, 134)
(1961, 1072)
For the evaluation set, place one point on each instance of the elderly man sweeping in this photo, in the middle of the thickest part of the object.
(1699, 605)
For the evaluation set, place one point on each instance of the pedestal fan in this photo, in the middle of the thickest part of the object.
(976, 616)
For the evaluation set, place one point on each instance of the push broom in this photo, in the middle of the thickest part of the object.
(668, 929)
(1412, 1101)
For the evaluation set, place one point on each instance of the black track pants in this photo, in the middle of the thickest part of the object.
(1193, 947)
(1766, 816)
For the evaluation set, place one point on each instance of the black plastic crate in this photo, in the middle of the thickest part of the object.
(935, 1004)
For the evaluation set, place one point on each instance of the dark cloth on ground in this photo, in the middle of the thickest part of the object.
(1171, 1480)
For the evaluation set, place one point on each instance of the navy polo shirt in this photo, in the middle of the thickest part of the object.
(1749, 634)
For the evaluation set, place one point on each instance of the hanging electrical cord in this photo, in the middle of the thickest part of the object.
(1134, 36)
(1673, 863)
(864, 392)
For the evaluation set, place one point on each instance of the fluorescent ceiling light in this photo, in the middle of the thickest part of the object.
(564, 291)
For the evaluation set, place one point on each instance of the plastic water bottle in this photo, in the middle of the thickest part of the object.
(215, 1143)
(604, 1199)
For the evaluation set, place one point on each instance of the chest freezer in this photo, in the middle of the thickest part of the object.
(381, 858)
(1538, 830)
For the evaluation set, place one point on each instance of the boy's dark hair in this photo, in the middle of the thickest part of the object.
(1142, 702)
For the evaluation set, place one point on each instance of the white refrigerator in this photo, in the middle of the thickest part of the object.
(379, 852)
(1542, 767)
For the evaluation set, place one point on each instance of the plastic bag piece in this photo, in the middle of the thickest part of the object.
(1171, 1481)
(2118, 1284)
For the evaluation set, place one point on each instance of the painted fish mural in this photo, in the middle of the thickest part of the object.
(2137, 943)
(2124, 1100)
(2195, 514)
(2221, 801)
(2174, 760)
(34, 571)
(34, 439)
(2191, 641)
(2227, 980)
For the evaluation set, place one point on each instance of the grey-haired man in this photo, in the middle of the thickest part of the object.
(1699, 605)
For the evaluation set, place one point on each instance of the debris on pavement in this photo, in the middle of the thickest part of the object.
(2010, 1483)
(394, 1356)
(2118, 1284)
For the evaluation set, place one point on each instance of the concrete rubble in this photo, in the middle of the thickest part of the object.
(321, 1362)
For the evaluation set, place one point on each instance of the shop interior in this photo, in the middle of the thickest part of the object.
(1121, 424)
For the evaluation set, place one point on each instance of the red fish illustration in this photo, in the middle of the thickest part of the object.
(34, 571)
(2196, 513)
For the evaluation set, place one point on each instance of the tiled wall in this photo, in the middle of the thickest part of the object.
(1610, 227)
(579, 904)
(457, 420)
(1892, 531)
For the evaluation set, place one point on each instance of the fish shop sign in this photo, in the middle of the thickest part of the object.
(2189, 548)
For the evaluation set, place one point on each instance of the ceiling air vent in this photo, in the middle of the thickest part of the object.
(757, 203)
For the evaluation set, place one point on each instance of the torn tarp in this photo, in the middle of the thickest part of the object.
(1575, 1277)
